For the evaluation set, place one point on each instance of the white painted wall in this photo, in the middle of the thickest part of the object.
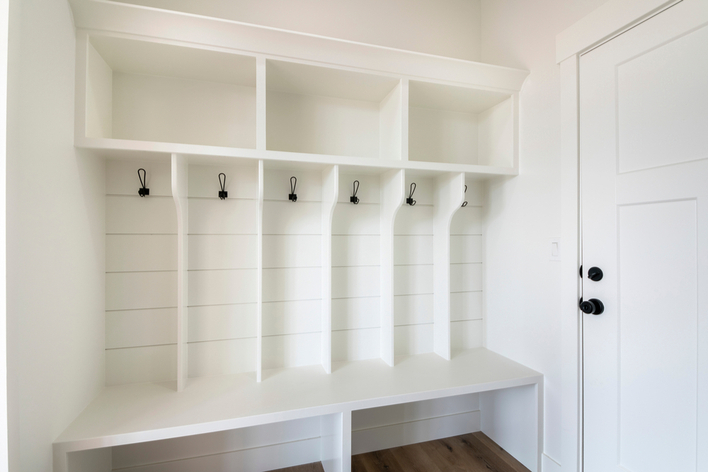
(55, 264)
(522, 284)
(442, 27)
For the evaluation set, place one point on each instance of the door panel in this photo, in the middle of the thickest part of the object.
(657, 335)
(644, 194)
(673, 101)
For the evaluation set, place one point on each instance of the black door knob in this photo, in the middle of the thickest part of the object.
(592, 306)
(595, 274)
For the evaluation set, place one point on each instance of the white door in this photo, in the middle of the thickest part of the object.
(644, 184)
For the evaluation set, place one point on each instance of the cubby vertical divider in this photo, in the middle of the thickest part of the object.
(405, 98)
(448, 198)
(180, 175)
(259, 276)
(261, 104)
(330, 193)
(393, 142)
(392, 194)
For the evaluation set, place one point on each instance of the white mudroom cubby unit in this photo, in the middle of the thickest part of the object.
(305, 278)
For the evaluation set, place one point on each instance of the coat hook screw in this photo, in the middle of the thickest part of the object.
(410, 200)
(355, 188)
(223, 194)
(464, 204)
(293, 184)
(143, 191)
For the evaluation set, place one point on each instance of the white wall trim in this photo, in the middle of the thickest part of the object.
(571, 387)
(604, 23)
(4, 26)
(609, 20)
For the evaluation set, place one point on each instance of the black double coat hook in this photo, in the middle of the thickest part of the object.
(143, 191)
(223, 194)
(293, 184)
(410, 200)
(355, 188)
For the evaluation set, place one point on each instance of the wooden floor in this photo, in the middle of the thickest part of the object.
(473, 452)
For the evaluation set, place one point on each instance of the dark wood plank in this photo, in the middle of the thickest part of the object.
(480, 455)
(413, 459)
(450, 457)
(378, 461)
(314, 467)
(358, 463)
(474, 452)
(500, 452)
(481, 451)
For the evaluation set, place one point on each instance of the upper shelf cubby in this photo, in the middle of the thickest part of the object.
(159, 92)
(138, 94)
(339, 112)
(461, 125)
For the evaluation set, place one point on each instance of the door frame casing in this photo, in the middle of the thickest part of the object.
(600, 26)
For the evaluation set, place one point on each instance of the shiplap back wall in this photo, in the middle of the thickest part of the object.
(466, 272)
(141, 272)
(413, 271)
(223, 249)
(141, 275)
(292, 269)
(356, 270)
(141, 258)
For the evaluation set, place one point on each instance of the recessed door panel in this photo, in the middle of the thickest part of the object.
(661, 116)
(657, 316)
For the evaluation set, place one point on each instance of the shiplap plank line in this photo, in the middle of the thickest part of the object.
(467, 334)
(293, 350)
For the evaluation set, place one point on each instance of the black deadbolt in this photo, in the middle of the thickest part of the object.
(592, 307)
(595, 274)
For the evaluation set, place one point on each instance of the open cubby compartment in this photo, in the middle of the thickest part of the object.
(159, 92)
(141, 274)
(223, 246)
(421, 263)
(466, 270)
(387, 427)
(461, 125)
(338, 112)
(356, 268)
(413, 270)
(296, 265)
